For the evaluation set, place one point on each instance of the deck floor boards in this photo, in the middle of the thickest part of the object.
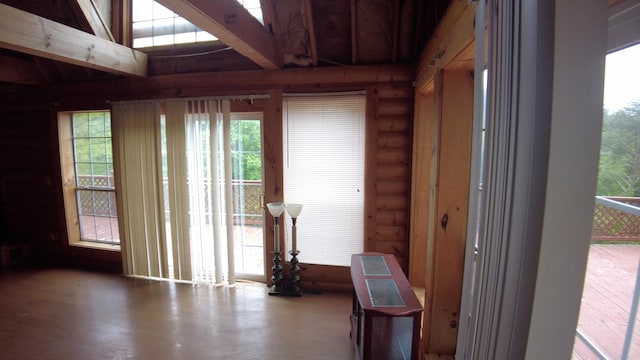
(606, 300)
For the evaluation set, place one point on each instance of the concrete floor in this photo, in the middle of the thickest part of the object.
(68, 314)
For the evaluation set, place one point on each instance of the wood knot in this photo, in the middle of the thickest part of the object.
(444, 221)
(230, 18)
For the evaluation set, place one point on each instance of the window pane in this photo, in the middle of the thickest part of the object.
(96, 125)
(83, 170)
(161, 26)
(99, 173)
(82, 150)
(81, 125)
(99, 149)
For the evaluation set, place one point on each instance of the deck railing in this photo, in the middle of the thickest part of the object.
(613, 222)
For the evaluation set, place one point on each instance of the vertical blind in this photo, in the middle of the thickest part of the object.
(189, 235)
(514, 158)
(324, 171)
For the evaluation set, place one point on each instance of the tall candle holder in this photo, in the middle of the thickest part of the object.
(276, 209)
(293, 289)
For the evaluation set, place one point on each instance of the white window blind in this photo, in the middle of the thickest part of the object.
(324, 171)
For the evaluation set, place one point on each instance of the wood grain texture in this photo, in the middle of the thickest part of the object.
(35, 35)
(420, 187)
(273, 168)
(452, 207)
(392, 172)
(453, 34)
(65, 314)
(233, 25)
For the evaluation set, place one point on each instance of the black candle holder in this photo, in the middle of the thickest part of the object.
(292, 286)
(278, 287)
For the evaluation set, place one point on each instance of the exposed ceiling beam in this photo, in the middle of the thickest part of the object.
(395, 25)
(308, 15)
(27, 33)
(268, 16)
(20, 71)
(354, 31)
(233, 25)
(89, 13)
(453, 35)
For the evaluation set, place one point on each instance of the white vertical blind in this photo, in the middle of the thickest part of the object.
(137, 154)
(177, 190)
(514, 179)
(324, 171)
(198, 190)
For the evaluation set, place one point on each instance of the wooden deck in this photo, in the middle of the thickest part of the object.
(606, 301)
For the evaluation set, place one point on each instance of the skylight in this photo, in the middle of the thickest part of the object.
(155, 25)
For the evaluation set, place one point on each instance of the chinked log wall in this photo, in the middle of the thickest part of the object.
(389, 122)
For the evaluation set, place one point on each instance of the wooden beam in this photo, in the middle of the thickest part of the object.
(273, 167)
(90, 14)
(395, 30)
(452, 205)
(268, 16)
(35, 35)
(233, 82)
(423, 130)
(453, 34)
(308, 15)
(233, 25)
(14, 70)
(121, 22)
(354, 32)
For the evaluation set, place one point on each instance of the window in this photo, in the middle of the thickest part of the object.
(88, 185)
(324, 171)
(254, 8)
(155, 25)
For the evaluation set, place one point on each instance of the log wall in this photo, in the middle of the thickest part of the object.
(389, 171)
(28, 205)
(388, 154)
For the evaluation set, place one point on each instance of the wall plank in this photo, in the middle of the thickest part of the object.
(420, 187)
(273, 170)
(451, 214)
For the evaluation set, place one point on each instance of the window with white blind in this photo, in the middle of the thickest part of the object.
(324, 170)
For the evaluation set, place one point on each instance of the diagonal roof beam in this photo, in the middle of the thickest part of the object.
(90, 14)
(233, 25)
(31, 34)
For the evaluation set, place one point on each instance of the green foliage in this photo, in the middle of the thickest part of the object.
(92, 143)
(245, 148)
(619, 170)
(93, 149)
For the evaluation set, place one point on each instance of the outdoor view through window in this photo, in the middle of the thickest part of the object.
(608, 313)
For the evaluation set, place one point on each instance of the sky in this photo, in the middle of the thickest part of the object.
(622, 78)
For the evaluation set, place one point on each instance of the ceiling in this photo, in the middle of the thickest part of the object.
(40, 42)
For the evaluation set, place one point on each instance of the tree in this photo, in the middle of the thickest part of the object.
(619, 170)
(246, 157)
